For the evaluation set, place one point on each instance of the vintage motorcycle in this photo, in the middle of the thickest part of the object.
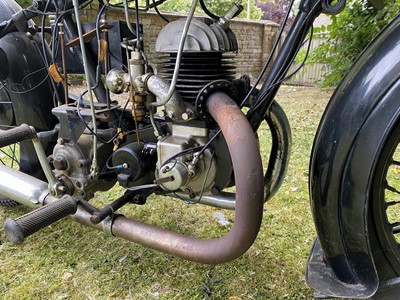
(184, 135)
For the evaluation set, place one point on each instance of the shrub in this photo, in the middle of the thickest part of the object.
(349, 33)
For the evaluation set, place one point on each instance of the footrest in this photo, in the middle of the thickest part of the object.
(17, 230)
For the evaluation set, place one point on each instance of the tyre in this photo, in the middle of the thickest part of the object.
(9, 155)
(354, 209)
(6, 202)
(384, 211)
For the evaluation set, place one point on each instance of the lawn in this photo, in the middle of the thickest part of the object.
(68, 261)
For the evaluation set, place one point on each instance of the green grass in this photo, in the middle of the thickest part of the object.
(68, 261)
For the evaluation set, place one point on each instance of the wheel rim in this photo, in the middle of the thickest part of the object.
(9, 156)
(386, 201)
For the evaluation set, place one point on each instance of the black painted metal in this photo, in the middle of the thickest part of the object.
(71, 32)
(116, 34)
(28, 87)
(309, 10)
(355, 123)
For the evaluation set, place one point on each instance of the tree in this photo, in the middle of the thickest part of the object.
(275, 11)
(218, 8)
(349, 33)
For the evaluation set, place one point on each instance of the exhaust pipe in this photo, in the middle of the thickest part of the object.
(248, 200)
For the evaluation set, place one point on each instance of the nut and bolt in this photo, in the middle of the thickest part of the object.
(187, 115)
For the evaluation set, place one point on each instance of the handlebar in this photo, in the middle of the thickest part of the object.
(18, 22)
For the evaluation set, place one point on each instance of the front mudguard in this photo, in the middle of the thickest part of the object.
(357, 120)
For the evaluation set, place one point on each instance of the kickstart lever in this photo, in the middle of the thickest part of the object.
(135, 196)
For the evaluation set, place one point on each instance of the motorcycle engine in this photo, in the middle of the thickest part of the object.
(207, 56)
(207, 64)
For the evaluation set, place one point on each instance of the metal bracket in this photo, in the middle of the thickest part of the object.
(54, 185)
(107, 224)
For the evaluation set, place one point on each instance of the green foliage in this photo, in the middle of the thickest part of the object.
(182, 6)
(349, 33)
(24, 3)
(216, 7)
(70, 261)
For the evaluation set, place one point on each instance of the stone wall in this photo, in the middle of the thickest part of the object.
(255, 38)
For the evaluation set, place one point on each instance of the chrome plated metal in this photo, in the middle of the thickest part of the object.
(117, 81)
(64, 61)
(223, 200)
(21, 187)
(89, 88)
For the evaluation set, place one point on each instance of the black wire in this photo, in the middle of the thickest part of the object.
(309, 15)
(55, 41)
(271, 54)
(182, 153)
(205, 177)
(142, 7)
(43, 24)
(208, 13)
(98, 21)
(118, 60)
(44, 54)
(290, 75)
(70, 10)
(272, 86)
(169, 168)
(213, 16)
(26, 91)
(90, 129)
(98, 68)
(31, 74)
(159, 13)
(122, 113)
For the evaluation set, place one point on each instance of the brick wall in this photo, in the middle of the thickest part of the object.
(255, 38)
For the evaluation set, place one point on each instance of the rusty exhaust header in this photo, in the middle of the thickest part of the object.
(249, 199)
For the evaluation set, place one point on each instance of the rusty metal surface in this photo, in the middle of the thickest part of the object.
(249, 199)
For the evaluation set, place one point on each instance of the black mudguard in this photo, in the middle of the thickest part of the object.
(358, 118)
(27, 86)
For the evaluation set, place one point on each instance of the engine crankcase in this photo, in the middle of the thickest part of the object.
(185, 176)
(72, 166)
